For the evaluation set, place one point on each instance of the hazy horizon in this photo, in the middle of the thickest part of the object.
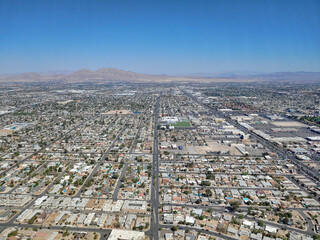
(196, 74)
(163, 37)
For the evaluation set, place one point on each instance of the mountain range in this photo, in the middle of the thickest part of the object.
(105, 75)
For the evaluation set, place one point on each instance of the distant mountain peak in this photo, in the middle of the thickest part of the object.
(116, 75)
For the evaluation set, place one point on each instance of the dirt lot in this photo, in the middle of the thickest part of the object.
(288, 124)
(215, 147)
(119, 112)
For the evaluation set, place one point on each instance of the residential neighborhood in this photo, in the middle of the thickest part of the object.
(157, 162)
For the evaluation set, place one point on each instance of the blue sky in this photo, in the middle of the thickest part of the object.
(169, 37)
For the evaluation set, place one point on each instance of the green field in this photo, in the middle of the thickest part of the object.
(181, 124)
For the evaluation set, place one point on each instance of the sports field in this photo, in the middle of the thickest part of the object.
(182, 124)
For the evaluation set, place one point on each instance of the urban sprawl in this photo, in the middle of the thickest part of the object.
(160, 161)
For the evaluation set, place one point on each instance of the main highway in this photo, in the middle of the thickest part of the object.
(153, 232)
(270, 145)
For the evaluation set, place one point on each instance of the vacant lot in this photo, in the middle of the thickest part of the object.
(119, 112)
(288, 124)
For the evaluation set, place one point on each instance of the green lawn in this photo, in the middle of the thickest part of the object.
(182, 124)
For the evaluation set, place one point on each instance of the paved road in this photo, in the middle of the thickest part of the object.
(137, 134)
(28, 178)
(221, 208)
(225, 173)
(310, 225)
(117, 187)
(200, 230)
(95, 170)
(226, 187)
(308, 231)
(271, 145)
(104, 233)
(32, 201)
(153, 232)
(283, 226)
(48, 145)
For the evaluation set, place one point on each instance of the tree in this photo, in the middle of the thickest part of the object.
(289, 214)
(13, 233)
(174, 228)
(206, 183)
(210, 210)
(31, 221)
(66, 233)
(208, 193)
(316, 237)
(260, 223)
(234, 205)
